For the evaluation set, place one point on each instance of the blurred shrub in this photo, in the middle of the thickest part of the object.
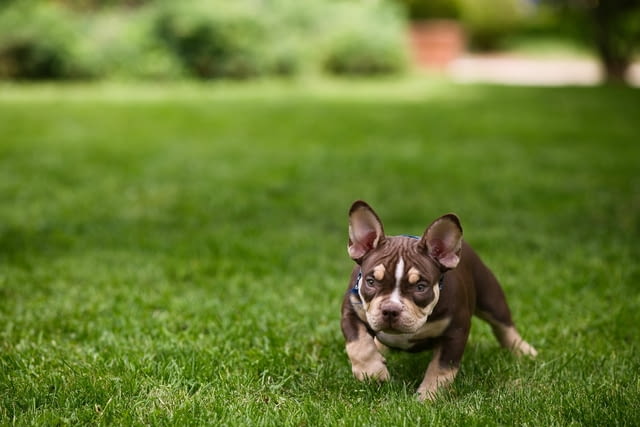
(296, 34)
(213, 39)
(122, 44)
(366, 41)
(86, 5)
(247, 38)
(199, 38)
(36, 41)
(431, 9)
(487, 25)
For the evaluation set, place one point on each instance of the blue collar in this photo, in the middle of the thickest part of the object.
(356, 286)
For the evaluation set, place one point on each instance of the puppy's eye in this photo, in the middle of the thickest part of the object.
(370, 281)
(421, 287)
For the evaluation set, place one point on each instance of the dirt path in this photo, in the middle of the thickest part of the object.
(506, 69)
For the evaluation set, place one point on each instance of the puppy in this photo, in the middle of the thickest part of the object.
(418, 293)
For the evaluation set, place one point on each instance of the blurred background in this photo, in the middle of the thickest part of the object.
(510, 41)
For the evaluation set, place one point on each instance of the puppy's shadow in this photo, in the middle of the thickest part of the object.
(408, 368)
(485, 365)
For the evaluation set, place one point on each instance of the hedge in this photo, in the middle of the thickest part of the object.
(202, 39)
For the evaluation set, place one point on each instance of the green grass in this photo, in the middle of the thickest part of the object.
(177, 255)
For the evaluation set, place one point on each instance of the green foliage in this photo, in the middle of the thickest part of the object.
(612, 28)
(90, 5)
(35, 41)
(366, 41)
(431, 9)
(488, 25)
(246, 38)
(122, 44)
(214, 39)
(175, 254)
(200, 38)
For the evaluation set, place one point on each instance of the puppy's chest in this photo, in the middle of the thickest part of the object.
(430, 330)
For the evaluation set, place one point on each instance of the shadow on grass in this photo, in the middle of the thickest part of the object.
(484, 367)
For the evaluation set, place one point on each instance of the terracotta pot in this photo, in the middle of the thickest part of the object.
(436, 43)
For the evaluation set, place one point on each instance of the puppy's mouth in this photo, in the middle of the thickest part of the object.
(394, 328)
(398, 331)
(392, 331)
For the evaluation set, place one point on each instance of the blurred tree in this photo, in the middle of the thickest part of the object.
(613, 28)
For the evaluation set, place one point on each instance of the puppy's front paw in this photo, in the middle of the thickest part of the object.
(523, 348)
(428, 392)
(366, 361)
(372, 370)
(435, 380)
(426, 396)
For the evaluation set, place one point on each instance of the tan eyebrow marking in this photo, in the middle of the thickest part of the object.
(378, 271)
(414, 275)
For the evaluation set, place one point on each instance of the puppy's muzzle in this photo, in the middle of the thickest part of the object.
(390, 313)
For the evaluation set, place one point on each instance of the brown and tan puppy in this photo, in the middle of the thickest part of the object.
(418, 293)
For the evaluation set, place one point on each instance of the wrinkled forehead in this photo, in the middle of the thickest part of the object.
(399, 248)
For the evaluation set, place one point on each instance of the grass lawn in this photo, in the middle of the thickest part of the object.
(177, 255)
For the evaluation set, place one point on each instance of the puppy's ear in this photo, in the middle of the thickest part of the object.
(442, 241)
(365, 230)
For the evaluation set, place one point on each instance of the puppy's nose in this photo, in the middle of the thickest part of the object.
(391, 311)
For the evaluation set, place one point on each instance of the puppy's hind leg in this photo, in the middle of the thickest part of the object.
(491, 306)
(508, 336)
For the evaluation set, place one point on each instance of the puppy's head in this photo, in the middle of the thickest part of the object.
(399, 285)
